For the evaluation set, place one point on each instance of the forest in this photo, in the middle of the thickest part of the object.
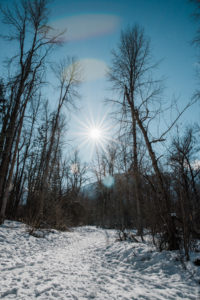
(145, 180)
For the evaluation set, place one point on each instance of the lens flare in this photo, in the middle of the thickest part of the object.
(93, 69)
(85, 26)
(108, 181)
(86, 69)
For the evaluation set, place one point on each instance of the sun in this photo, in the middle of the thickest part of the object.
(95, 133)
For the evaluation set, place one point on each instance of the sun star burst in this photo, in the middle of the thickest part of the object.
(94, 134)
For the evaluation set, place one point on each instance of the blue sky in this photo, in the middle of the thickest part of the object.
(94, 30)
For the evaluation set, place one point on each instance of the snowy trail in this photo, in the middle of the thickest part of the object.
(86, 264)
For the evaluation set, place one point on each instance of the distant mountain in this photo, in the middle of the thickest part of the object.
(90, 190)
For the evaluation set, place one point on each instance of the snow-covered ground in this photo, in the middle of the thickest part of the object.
(89, 264)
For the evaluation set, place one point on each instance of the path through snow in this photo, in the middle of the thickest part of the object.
(87, 264)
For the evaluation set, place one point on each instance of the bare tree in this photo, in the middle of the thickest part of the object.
(68, 74)
(132, 74)
(23, 154)
(32, 35)
(183, 159)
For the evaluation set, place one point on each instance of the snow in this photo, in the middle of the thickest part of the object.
(88, 263)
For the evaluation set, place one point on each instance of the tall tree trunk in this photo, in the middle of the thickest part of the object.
(166, 215)
(44, 186)
(136, 178)
(9, 180)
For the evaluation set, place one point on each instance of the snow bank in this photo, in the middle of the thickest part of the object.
(88, 263)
